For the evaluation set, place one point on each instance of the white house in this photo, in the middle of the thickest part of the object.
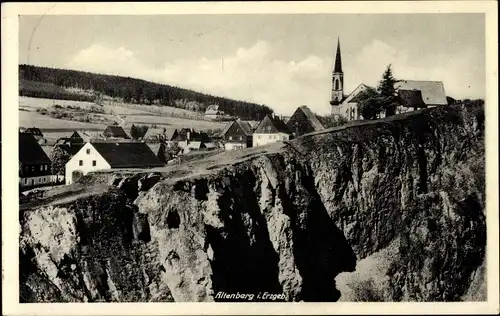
(270, 130)
(94, 156)
(212, 112)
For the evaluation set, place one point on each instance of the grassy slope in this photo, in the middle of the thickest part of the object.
(55, 128)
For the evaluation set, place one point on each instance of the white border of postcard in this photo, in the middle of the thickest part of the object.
(10, 226)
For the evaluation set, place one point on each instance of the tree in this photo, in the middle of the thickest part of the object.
(59, 159)
(370, 103)
(388, 92)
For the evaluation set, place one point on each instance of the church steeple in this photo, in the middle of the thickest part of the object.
(337, 78)
(338, 59)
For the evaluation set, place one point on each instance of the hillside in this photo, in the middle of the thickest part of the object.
(43, 82)
(389, 210)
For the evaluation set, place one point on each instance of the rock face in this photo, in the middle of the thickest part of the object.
(388, 211)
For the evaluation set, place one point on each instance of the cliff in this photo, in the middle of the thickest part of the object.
(391, 210)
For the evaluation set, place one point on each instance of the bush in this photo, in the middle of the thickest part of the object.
(332, 120)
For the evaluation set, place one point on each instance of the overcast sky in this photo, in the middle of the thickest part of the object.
(279, 60)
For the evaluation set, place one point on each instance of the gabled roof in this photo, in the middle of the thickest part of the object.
(352, 96)
(432, 91)
(127, 154)
(244, 125)
(70, 149)
(30, 151)
(313, 119)
(115, 131)
(85, 135)
(33, 130)
(411, 98)
(270, 125)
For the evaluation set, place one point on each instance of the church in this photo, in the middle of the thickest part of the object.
(413, 94)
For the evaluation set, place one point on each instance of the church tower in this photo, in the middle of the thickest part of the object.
(337, 79)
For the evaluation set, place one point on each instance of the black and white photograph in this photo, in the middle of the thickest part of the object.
(260, 157)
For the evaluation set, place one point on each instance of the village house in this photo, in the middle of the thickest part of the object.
(94, 156)
(115, 132)
(213, 112)
(237, 135)
(412, 94)
(270, 130)
(34, 165)
(303, 121)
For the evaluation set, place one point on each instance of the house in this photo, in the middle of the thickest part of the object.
(115, 131)
(213, 112)
(95, 156)
(303, 121)
(237, 134)
(36, 132)
(270, 130)
(432, 92)
(34, 164)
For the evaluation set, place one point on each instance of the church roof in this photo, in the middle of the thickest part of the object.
(432, 91)
(338, 59)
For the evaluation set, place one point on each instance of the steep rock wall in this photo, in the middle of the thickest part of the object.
(403, 198)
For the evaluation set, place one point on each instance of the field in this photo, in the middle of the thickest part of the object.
(131, 114)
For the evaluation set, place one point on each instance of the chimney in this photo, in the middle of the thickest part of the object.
(188, 135)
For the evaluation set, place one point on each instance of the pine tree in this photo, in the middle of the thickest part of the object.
(388, 92)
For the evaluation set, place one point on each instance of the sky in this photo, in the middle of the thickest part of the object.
(280, 60)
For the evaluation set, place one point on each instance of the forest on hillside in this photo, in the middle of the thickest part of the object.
(44, 82)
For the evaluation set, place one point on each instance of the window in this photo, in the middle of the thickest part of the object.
(80, 162)
(336, 84)
(94, 163)
(88, 151)
(230, 137)
(32, 168)
(41, 167)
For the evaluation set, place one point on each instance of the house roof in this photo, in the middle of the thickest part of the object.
(432, 91)
(313, 119)
(127, 154)
(85, 135)
(244, 125)
(270, 125)
(115, 131)
(34, 131)
(411, 98)
(70, 149)
(30, 151)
